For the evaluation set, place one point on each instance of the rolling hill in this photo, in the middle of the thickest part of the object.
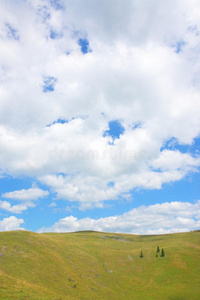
(93, 265)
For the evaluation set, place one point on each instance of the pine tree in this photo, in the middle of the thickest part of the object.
(162, 253)
(141, 255)
(158, 249)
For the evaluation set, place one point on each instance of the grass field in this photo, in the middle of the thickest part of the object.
(94, 265)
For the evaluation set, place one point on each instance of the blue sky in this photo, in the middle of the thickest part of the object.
(99, 116)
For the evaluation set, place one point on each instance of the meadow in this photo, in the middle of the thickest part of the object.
(96, 265)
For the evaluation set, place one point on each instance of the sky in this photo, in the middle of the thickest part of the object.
(100, 115)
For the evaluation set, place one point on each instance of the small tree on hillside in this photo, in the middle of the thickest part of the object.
(162, 253)
(158, 249)
(141, 255)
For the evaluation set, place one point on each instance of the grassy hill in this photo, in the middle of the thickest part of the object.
(93, 265)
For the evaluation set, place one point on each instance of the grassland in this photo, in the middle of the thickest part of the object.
(93, 265)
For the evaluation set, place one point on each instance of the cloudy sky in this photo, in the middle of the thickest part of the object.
(100, 115)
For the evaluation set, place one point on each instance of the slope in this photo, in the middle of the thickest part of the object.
(94, 265)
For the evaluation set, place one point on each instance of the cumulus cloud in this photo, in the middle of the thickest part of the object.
(16, 209)
(154, 219)
(11, 223)
(143, 70)
(127, 174)
(26, 195)
(175, 160)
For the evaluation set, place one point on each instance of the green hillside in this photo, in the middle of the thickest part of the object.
(93, 265)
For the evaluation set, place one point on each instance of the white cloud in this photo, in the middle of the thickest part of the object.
(52, 204)
(133, 74)
(135, 172)
(11, 223)
(16, 209)
(154, 219)
(175, 160)
(26, 195)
